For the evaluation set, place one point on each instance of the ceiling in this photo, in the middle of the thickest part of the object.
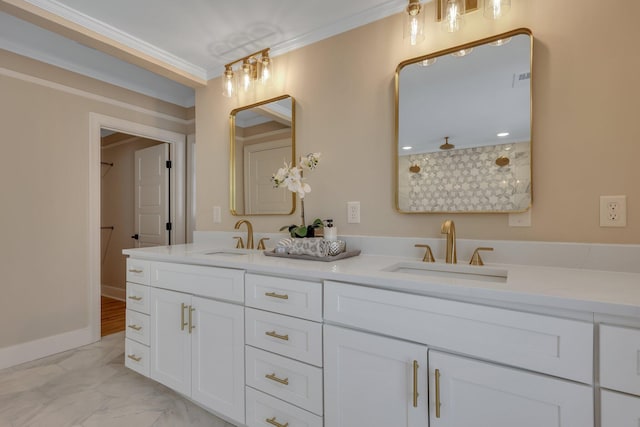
(183, 43)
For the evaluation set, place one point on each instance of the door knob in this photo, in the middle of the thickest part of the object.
(135, 236)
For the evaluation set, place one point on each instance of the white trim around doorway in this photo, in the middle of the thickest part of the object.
(177, 147)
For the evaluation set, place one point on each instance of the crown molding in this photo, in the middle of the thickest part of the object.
(119, 36)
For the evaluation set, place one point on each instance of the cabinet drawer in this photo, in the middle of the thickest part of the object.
(136, 357)
(212, 282)
(619, 410)
(138, 327)
(556, 346)
(291, 337)
(138, 298)
(264, 411)
(620, 358)
(138, 271)
(298, 298)
(289, 380)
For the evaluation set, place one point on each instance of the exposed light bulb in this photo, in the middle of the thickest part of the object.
(496, 9)
(453, 15)
(414, 22)
(265, 73)
(246, 77)
(228, 86)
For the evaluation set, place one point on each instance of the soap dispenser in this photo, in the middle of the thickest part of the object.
(330, 232)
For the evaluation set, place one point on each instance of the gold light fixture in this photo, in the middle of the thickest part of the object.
(496, 9)
(255, 68)
(414, 22)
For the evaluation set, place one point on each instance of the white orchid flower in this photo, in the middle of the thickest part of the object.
(310, 161)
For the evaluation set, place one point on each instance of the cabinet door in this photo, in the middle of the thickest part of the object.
(369, 380)
(218, 357)
(619, 410)
(470, 393)
(170, 342)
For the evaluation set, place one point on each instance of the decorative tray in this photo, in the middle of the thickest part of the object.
(346, 254)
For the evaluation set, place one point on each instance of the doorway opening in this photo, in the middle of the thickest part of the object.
(134, 212)
(176, 148)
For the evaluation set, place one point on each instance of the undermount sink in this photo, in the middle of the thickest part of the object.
(455, 271)
(227, 252)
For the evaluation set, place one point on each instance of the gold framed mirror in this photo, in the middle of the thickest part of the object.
(463, 128)
(262, 139)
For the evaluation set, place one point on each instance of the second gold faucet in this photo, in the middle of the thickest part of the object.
(449, 228)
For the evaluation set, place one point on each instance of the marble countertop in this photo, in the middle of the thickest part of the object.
(604, 292)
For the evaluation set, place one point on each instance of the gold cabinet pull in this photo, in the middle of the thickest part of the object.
(275, 295)
(135, 327)
(135, 298)
(273, 422)
(135, 270)
(437, 393)
(273, 377)
(415, 383)
(183, 306)
(134, 358)
(191, 325)
(276, 335)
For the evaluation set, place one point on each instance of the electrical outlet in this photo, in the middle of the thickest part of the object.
(217, 215)
(613, 211)
(353, 212)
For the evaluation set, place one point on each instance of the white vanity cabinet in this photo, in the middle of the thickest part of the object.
(471, 392)
(197, 343)
(467, 393)
(284, 352)
(620, 372)
(137, 317)
(373, 381)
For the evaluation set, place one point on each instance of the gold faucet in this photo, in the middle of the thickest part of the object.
(449, 228)
(249, 231)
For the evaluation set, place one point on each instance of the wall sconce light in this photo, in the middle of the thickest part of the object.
(450, 13)
(414, 22)
(496, 9)
(254, 69)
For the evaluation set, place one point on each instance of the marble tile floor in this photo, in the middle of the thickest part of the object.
(90, 387)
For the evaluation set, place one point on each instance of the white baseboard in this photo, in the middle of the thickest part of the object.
(32, 350)
(113, 292)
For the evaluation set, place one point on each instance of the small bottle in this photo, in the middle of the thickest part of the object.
(330, 232)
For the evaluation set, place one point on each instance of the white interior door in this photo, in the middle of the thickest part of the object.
(261, 161)
(152, 196)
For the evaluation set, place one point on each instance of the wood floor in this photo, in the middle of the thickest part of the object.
(113, 315)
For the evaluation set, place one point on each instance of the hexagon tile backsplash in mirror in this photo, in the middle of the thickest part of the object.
(467, 180)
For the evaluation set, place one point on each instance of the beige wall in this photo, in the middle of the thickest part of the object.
(117, 210)
(586, 135)
(44, 190)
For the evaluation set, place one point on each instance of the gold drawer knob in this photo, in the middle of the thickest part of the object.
(135, 327)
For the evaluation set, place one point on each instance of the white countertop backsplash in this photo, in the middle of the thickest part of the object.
(582, 278)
